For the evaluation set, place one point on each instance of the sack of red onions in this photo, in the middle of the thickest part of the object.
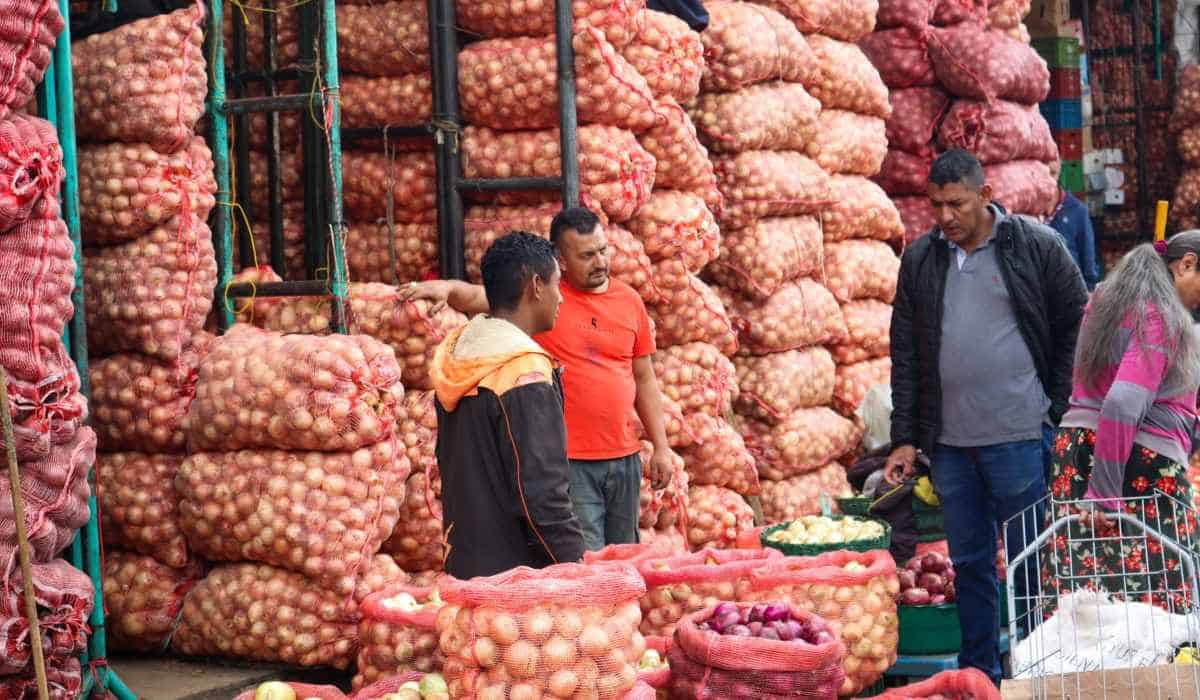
(917, 216)
(904, 173)
(986, 65)
(682, 585)
(747, 44)
(800, 495)
(761, 650)
(32, 28)
(998, 132)
(715, 517)
(757, 260)
(915, 116)
(669, 55)
(567, 628)
(901, 57)
(55, 489)
(143, 599)
(772, 386)
(398, 634)
(1023, 187)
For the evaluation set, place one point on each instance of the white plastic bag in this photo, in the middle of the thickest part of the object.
(876, 414)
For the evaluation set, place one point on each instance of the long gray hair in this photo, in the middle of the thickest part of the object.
(1142, 277)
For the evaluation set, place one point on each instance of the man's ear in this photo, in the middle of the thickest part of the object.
(985, 191)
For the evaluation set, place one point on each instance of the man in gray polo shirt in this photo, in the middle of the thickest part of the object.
(986, 314)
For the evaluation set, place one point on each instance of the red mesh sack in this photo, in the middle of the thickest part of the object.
(64, 681)
(142, 600)
(1187, 99)
(917, 215)
(800, 314)
(705, 664)
(369, 256)
(417, 542)
(868, 328)
(987, 65)
(715, 516)
(682, 585)
(855, 592)
(375, 102)
(406, 326)
(756, 261)
(308, 691)
(620, 20)
(967, 684)
(848, 143)
(677, 225)
(848, 20)
(998, 132)
(152, 294)
(769, 116)
(390, 38)
(409, 177)
(861, 270)
(394, 640)
(628, 262)
(758, 184)
(719, 457)
(803, 441)
(679, 434)
(628, 553)
(418, 431)
(796, 496)
(1186, 203)
(1007, 14)
(258, 612)
(237, 506)
(773, 386)
(746, 44)
(139, 507)
(697, 376)
(64, 597)
(30, 165)
(511, 84)
(905, 173)
(329, 393)
(127, 189)
(901, 57)
(1023, 187)
(663, 508)
(669, 537)
(845, 79)
(27, 37)
(56, 491)
(915, 116)
(904, 13)
(508, 635)
(669, 55)
(854, 381)
(657, 678)
(1189, 146)
(948, 13)
(614, 170)
(859, 209)
(143, 82)
(688, 310)
(681, 161)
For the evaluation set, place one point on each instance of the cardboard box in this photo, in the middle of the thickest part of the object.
(1162, 682)
(1114, 198)
(1047, 17)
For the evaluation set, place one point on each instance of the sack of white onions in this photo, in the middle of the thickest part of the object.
(406, 686)
(719, 457)
(800, 495)
(30, 34)
(567, 628)
(238, 506)
(757, 260)
(746, 44)
(715, 516)
(868, 326)
(758, 184)
(618, 19)
(407, 327)
(915, 116)
(317, 393)
(614, 170)
(848, 20)
(681, 161)
(369, 256)
(998, 132)
(855, 593)
(901, 57)
(1023, 187)
(673, 224)
(417, 430)
(398, 634)
(143, 599)
(804, 440)
(126, 189)
(510, 84)
(845, 79)
(669, 55)
(689, 310)
(986, 65)
(629, 263)
(390, 38)
(773, 386)
(64, 596)
(799, 315)
(373, 102)
(859, 209)
(848, 143)
(854, 381)
(857, 269)
(671, 538)
(409, 178)
(698, 377)
(679, 434)
(143, 82)
(139, 508)
(686, 584)
(755, 650)
(30, 166)
(55, 489)
(769, 116)
(416, 543)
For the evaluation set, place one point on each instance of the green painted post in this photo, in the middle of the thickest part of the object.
(219, 143)
(329, 60)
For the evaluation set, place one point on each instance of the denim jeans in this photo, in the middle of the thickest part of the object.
(980, 489)
(606, 495)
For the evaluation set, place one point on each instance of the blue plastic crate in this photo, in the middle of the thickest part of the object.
(1063, 114)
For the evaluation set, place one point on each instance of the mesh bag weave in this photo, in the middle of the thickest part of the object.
(715, 516)
(856, 269)
(773, 386)
(678, 586)
(698, 377)
(30, 165)
(28, 31)
(143, 599)
(845, 78)
(669, 55)
(868, 326)
(719, 457)
(802, 441)
(747, 44)
(139, 507)
(757, 260)
(396, 641)
(770, 116)
(758, 184)
(799, 315)
(965, 684)
(859, 209)
(416, 543)
(677, 225)
(619, 20)
(64, 597)
(998, 132)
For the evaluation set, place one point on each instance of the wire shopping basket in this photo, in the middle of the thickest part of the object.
(1104, 606)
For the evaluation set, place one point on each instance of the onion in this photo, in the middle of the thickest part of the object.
(368, 255)
(689, 310)
(142, 599)
(1023, 187)
(417, 541)
(917, 216)
(669, 55)
(868, 325)
(139, 507)
(901, 57)
(857, 269)
(35, 25)
(681, 162)
(715, 516)
(848, 20)
(698, 377)
(373, 102)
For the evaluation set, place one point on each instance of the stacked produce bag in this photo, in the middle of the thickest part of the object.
(1185, 121)
(963, 76)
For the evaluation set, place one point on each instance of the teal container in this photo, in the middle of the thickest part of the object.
(1059, 52)
(926, 630)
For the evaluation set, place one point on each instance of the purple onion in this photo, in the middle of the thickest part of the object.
(755, 628)
(744, 617)
(730, 619)
(705, 626)
(723, 609)
(823, 637)
(783, 631)
(769, 633)
(776, 612)
(739, 631)
(797, 629)
(757, 612)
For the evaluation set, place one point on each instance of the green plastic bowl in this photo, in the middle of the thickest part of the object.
(926, 630)
(811, 550)
(854, 505)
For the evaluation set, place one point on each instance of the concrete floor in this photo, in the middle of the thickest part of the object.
(158, 678)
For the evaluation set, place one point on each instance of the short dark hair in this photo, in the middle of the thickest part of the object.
(957, 166)
(580, 219)
(510, 263)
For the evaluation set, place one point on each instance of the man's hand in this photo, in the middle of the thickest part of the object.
(437, 292)
(662, 465)
(900, 465)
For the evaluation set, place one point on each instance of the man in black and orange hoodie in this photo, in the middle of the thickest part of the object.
(502, 443)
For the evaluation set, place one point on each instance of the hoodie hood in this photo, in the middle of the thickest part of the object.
(488, 352)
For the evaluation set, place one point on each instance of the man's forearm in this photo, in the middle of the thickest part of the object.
(649, 406)
(467, 298)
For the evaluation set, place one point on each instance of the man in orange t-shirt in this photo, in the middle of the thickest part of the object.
(604, 342)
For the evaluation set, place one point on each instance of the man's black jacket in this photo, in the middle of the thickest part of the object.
(1048, 297)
